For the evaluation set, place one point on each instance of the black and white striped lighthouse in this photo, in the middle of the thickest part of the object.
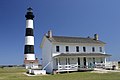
(30, 60)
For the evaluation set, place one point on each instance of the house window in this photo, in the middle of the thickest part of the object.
(100, 49)
(77, 48)
(67, 48)
(57, 49)
(93, 49)
(84, 49)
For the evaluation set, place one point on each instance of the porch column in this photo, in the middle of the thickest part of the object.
(67, 61)
(87, 62)
(105, 60)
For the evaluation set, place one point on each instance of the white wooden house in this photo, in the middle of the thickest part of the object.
(62, 53)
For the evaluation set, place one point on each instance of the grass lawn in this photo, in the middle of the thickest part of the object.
(17, 74)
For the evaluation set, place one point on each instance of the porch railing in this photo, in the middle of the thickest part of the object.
(100, 65)
(68, 67)
(75, 67)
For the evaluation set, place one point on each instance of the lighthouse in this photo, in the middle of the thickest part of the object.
(30, 60)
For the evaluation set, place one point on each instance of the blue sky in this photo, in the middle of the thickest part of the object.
(64, 17)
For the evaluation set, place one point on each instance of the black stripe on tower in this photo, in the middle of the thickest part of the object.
(29, 32)
(29, 49)
(29, 14)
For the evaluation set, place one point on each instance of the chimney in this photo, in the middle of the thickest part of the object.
(96, 37)
(50, 33)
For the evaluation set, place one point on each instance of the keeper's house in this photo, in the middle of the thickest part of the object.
(62, 53)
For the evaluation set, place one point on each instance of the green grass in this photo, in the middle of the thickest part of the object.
(17, 74)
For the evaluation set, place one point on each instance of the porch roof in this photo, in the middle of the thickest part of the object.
(83, 55)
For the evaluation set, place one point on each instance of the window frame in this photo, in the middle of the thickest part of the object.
(77, 49)
(67, 48)
(57, 48)
(84, 49)
(100, 48)
(93, 49)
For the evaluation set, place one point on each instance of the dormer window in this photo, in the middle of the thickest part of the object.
(67, 48)
(57, 48)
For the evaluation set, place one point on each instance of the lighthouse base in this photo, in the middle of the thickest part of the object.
(31, 64)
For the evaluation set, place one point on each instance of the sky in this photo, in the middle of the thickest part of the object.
(80, 18)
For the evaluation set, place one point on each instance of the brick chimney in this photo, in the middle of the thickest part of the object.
(96, 36)
(50, 33)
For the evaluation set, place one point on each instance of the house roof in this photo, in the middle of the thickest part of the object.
(84, 54)
(65, 39)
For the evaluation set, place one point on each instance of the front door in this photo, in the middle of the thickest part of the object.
(93, 62)
(78, 62)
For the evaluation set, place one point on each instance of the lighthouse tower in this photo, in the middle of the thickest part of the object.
(30, 60)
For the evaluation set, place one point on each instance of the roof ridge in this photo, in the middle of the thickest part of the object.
(73, 39)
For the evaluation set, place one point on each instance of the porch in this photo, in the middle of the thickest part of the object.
(62, 68)
(76, 63)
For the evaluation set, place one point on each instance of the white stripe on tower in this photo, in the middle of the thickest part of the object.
(29, 40)
(29, 23)
(29, 36)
